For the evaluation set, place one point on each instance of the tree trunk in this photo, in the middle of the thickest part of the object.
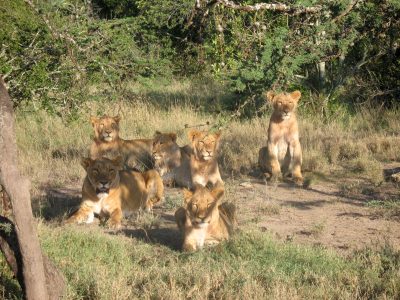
(17, 188)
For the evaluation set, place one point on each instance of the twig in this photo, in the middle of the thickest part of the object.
(278, 7)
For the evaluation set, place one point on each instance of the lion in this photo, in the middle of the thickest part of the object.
(283, 151)
(109, 191)
(136, 153)
(171, 160)
(204, 220)
(188, 166)
(203, 160)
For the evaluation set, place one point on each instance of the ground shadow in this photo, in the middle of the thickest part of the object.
(305, 205)
(56, 203)
(169, 237)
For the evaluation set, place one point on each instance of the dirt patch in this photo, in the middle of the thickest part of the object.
(317, 216)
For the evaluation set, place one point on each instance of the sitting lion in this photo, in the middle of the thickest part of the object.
(189, 165)
(111, 192)
(283, 151)
(136, 153)
(204, 220)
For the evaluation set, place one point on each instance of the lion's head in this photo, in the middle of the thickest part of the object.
(102, 173)
(202, 203)
(164, 145)
(204, 144)
(106, 128)
(284, 103)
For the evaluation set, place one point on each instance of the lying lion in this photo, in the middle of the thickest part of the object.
(111, 192)
(189, 165)
(204, 220)
(283, 151)
(136, 153)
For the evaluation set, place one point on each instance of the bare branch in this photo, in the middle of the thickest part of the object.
(278, 7)
(346, 11)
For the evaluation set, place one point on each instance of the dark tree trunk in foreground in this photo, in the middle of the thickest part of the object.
(20, 244)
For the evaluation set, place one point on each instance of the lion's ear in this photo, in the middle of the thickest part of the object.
(157, 133)
(173, 136)
(117, 162)
(218, 191)
(187, 195)
(86, 162)
(217, 135)
(193, 134)
(93, 120)
(296, 95)
(117, 119)
(270, 96)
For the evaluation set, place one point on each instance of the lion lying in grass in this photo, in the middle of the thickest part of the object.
(136, 153)
(111, 192)
(283, 151)
(204, 220)
(189, 165)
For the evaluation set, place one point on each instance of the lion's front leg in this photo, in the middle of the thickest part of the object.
(85, 214)
(295, 161)
(273, 162)
(115, 219)
(180, 218)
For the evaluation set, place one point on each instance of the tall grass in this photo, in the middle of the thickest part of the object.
(50, 148)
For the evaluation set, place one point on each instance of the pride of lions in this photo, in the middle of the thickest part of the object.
(124, 176)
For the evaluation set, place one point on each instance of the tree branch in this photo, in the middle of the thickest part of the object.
(278, 7)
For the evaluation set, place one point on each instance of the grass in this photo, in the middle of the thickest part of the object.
(252, 265)
(389, 208)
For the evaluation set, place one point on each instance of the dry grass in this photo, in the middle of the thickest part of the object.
(51, 149)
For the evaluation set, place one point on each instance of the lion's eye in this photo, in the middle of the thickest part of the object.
(101, 125)
(113, 125)
(194, 206)
(112, 171)
(279, 102)
(201, 142)
(209, 205)
(95, 171)
(290, 102)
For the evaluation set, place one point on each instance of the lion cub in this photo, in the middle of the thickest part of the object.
(136, 153)
(111, 192)
(283, 151)
(204, 220)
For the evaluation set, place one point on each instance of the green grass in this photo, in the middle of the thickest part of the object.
(252, 265)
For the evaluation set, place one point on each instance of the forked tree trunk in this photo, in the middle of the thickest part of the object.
(17, 188)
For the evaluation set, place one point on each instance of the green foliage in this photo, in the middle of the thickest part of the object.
(106, 45)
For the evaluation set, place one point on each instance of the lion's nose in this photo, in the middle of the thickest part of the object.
(103, 182)
(108, 131)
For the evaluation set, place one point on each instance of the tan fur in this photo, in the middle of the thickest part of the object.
(203, 160)
(111, 192)
(204, 220)
(136, 153)
(283, 151)
(155, 189)
(189, 165)
(172, 161)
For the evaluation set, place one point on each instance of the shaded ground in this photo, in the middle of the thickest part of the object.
(319, 215)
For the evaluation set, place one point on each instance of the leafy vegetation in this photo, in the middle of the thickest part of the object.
(57, 53)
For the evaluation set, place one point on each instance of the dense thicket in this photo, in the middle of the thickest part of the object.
(339, 52)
